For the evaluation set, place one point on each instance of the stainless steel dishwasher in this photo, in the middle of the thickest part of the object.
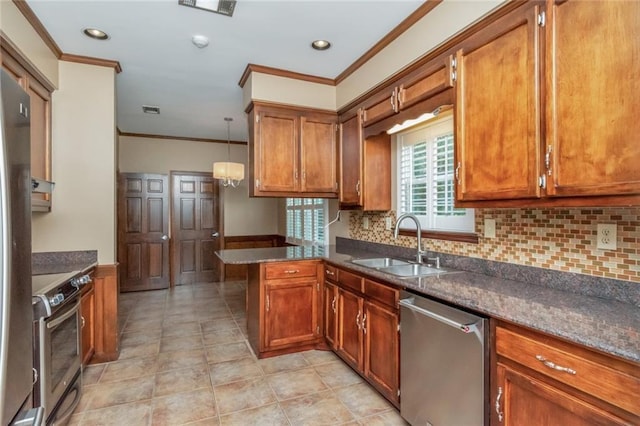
(442, 364)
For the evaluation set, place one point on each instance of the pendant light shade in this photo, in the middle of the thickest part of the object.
(228, 172)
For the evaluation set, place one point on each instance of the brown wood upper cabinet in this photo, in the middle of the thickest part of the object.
(546, 106)
(39, 91)
(292, 152)
(365, 167)
(417, 87)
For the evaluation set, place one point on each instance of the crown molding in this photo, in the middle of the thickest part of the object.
(31, 17)
(92, 61)
(179, 138)
(282, 73)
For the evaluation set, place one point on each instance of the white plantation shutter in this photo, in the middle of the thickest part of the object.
(425, 184)
(305, 220)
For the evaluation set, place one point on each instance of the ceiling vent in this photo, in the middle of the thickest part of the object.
(148, 109)
(223, 7)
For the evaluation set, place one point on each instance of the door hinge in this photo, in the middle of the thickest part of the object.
(257, 118)
(336, 186)
(398, 392)
(398, 328)
(542, 19)
(317, 329)
(317, 286)
(542, 181)
(454, 63)
(257, 183)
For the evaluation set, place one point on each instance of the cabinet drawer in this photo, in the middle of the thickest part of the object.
(330, 273)
(279, 270)
(349, 280)
(382, 293)
(590, 374)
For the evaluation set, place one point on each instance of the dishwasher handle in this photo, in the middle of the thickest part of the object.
(465, 328)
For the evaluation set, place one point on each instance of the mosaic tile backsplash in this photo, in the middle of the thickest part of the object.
(553, 238)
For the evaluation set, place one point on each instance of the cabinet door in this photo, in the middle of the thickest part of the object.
(349, 330)
(497, 111)
(381, 349)
(331, 314)
(318, 154)
(291, 313)
(276, 151)
(522, 400)
(87, 310)
(593, 82)
(376, 173)
(380, 106)
(351, 161)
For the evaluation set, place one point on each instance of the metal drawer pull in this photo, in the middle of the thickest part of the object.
(328, 272)
(364, 323)
(83, 322)
(498, 410)
(555, 366)
(333, 304)
(291, 271)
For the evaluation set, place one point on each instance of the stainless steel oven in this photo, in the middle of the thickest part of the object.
(57, 354)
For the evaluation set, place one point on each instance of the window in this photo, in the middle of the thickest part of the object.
(305, 220)
(425, 181)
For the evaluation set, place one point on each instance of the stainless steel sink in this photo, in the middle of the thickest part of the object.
(379, 262)
(412, 270)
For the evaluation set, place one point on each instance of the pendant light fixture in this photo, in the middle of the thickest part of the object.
(229, 173)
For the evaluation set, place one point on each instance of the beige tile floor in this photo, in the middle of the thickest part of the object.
(185, 360)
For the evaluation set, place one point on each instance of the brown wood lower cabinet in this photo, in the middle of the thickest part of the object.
(283, 307)
(367, 330)
(542, 380)
(87, 311)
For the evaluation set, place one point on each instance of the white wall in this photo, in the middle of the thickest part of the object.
(242, 215)
(83, 215)
(19, 31)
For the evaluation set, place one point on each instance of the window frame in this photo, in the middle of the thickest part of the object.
(436, 127)
(306, 205)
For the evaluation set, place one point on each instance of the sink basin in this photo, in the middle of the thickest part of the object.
(380, 262)
(412, 270)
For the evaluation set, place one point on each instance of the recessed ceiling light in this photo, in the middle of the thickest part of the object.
(320, 44)
(95, 33)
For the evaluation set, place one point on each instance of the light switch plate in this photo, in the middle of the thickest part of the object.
(607, 238)
(489, 228)
(365, 222)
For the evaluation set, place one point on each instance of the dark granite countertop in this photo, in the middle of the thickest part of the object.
(52, 268)
(607, 325)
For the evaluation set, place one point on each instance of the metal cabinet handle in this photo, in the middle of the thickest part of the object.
(358, 321)
(555, 366)
(83, 321)
(364, 323)
(458, 172)
(268, 304)
(328, 272)
(498, 410)
(333, 305)
(358, 188)
(291, 271)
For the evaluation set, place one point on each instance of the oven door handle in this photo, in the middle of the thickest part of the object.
(56, 322)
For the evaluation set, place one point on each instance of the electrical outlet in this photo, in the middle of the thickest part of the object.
(607, 238)
(387, 223)
(365, 222)
(489, 228)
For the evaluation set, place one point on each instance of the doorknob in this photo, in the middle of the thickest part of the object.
(215, 234)
(165, 238)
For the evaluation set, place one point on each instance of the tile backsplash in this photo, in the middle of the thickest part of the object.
(562, 239)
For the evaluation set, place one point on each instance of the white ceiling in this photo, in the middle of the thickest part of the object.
(196, 88)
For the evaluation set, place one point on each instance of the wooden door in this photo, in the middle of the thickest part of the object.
(526, 401)
(382, 349)
(330, 314)
(497, 134)
(276, 150)
(291, 312)
(318, 154)
(351, 161)
(196, 229)
(380, 106)
(593, 102)
(143, 228)
(349, 331)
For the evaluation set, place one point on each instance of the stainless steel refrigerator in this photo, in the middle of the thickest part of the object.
(16, 313)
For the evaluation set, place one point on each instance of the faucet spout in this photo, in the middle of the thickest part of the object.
(419, 252)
